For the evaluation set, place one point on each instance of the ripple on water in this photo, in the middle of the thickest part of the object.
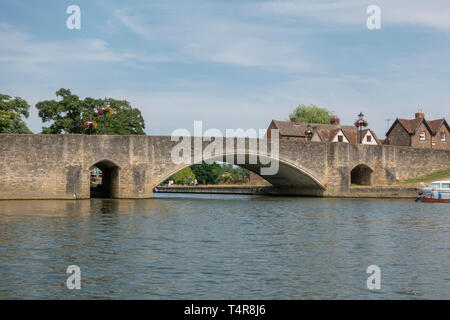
(224, 247)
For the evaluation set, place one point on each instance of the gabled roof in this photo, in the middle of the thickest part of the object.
(292, 129)
(436, 124)
(351, 133)
(410, 125)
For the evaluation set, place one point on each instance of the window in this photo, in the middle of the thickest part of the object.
(369, 138)
(446, 185)
(422, 135)
(340, 138)
(435, 185)
(443, 136)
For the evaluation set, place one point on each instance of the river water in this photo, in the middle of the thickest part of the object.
(224, 247)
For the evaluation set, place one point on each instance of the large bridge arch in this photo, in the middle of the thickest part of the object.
(289, 176)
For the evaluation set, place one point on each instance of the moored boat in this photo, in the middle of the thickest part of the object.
(437, 191)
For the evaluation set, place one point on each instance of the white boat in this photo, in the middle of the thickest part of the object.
(437, 191)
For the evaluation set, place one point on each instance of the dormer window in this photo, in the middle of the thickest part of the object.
(422, 135)
(369, 138)
(340, 138)
(443, 136)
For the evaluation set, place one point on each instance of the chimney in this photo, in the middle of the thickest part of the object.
(420, 114)
(295, 120)
(335, 120)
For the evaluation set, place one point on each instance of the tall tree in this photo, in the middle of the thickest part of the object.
(11, 113)
(311, 114)
(69, 113)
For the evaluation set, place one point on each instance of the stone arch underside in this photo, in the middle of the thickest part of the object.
(109, 188)
(290, 178)
(361, 175)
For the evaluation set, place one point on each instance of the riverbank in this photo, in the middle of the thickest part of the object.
(217, 189)
(394, 191)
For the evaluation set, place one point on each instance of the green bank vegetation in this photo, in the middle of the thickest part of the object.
(438, 175)
(211, 174)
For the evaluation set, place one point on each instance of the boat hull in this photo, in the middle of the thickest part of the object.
(435, 200)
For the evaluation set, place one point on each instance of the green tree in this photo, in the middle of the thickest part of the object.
(311, 114)
(179, 177)
(69, 113)
(207, 173)
(11, 113)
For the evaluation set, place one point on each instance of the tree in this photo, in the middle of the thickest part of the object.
(11, 113)
(206, 173)
(179, 177)
(311, 114)
(69, 114)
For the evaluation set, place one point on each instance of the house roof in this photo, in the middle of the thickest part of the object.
(353, 135)
(292, 129)
(411, 125)
(436, 124)
(326, 132)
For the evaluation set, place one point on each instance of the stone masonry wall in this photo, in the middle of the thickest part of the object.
(57, 166)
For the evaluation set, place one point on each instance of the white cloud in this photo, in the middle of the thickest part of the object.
(216, 39)
(19, 47)
(431, 13)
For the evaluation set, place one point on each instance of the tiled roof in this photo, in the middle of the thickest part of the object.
(435, 124)
(326, 132)
(289, 128)
(411, 125)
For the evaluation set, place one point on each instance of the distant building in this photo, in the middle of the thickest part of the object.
(419, 133)
(334, 132)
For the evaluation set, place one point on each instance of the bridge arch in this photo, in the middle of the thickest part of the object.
(290, 176)
(109, 185)
(362, 175)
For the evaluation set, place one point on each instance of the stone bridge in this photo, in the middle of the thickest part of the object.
(58, 166)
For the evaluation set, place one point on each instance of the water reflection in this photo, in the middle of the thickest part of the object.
(223, 246)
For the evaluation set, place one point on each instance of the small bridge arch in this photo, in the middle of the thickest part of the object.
(109, 186)
(361, 175)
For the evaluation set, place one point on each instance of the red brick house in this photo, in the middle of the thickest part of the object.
(419, 133)
(334, 132)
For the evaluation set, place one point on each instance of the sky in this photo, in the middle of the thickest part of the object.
(232, 64)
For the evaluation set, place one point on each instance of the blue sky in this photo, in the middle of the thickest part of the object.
(232, 64)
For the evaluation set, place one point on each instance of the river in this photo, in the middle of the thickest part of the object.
(224, 247)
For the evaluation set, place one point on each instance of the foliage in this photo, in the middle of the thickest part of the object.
(311, 114)
(11, 113)
(69, 113)
(223, 174)
(428, 178)
(211, 174)
(206, 173)
(179, 177)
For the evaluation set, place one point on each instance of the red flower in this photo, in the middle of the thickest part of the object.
(100, 112)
